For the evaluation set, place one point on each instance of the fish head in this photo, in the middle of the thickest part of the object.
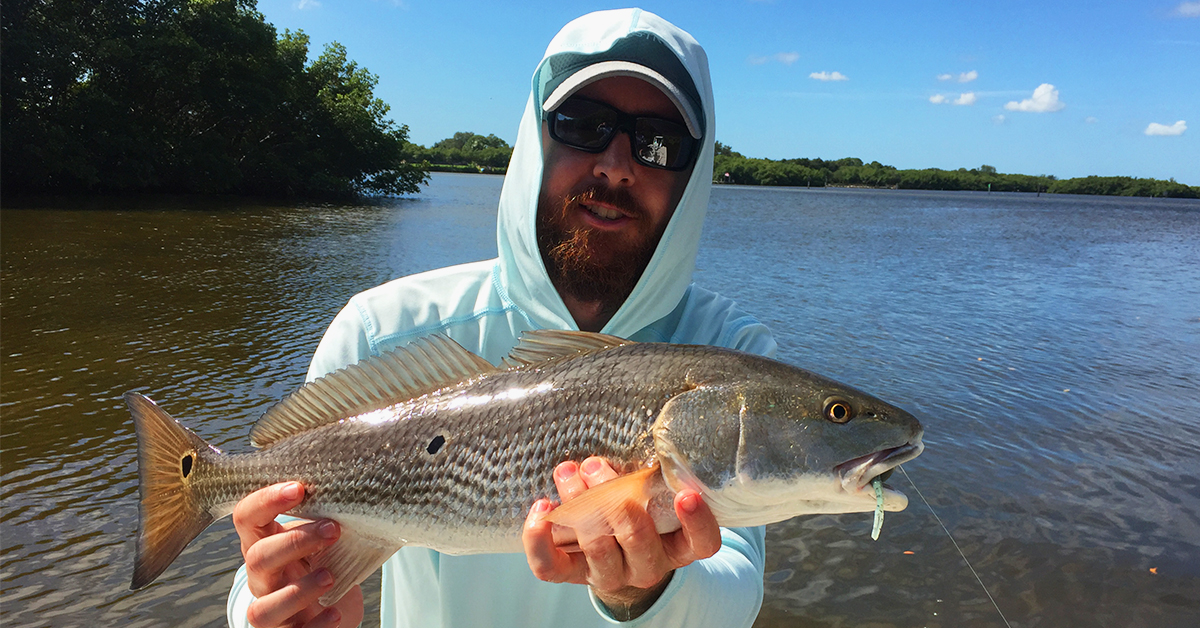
(768, 450)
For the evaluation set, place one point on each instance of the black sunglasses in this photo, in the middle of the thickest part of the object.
(589, 126)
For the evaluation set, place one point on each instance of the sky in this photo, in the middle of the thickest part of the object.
(1055, 87)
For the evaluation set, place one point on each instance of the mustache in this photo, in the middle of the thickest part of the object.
(620, 198)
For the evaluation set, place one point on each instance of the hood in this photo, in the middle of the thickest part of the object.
(523, 278)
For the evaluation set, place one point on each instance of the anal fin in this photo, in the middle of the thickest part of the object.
(350, 560)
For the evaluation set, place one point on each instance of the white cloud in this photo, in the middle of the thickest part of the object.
(998, 119)
(965, 77)
(1090, 120)
(1188, 9)
(308, 4)
(829, 76)
(1161, 129)
(968, 98)
(786, 58)
(1045, 99)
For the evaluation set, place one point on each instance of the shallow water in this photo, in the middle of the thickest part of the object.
(1051, 346)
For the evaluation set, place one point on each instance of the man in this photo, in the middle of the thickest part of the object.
(599, 223)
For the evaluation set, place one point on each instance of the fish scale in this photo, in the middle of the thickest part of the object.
(431, 446)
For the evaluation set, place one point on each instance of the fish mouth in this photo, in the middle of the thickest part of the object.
(856, 474)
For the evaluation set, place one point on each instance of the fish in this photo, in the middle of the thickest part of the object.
(431, 445)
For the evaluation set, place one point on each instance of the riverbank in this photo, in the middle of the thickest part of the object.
(469, 169)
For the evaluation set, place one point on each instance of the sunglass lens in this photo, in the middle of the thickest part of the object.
(663, 143)
(582, 125)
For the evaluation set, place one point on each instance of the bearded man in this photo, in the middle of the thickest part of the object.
(599, 224)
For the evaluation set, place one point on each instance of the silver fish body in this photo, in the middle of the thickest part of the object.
(453, 456)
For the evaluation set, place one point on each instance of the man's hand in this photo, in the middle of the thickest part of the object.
(629, 569)
(277, 563)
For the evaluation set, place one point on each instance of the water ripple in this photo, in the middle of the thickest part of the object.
(1051, 347)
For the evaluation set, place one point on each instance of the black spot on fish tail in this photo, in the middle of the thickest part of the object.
(187, 465)
(436, 444)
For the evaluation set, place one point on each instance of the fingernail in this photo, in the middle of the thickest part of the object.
(324, 578)
(328, 529)
(566, 470)
(690, 503)
(541, 506)
(292, 491)
(591, 465)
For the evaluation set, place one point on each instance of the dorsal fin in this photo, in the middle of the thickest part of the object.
(420, 367)
(550, 344)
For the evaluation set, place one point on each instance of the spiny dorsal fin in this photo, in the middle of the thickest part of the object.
(422, 366)
(550, 344)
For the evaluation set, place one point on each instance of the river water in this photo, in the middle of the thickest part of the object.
(1050, 345)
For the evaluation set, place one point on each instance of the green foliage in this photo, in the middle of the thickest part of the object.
(467, 168)
(724, 149)
(187, 96)
(1125, 186)
(469, 150)
(732, 167)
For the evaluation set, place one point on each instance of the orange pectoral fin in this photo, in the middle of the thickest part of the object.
(592, 511)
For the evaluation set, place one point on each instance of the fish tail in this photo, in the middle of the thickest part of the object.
(170, 513)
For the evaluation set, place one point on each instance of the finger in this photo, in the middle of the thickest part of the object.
(328, 618)
(266, 559)
(547, 562)
(280, 559)
(605, 563)
(645, 558)
(350, 607)
(596, 470)
(254, 516)
(276, 608)
(568, 481)
(700, 536)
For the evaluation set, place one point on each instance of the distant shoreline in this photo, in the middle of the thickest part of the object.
(468, 169)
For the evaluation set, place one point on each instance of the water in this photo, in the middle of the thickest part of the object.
(1051, 346)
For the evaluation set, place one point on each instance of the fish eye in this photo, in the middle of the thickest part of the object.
(838, 410)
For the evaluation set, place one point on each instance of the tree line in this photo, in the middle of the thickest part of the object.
(469, 152)
(464, 152)
(204, 96)
(193, 96)
(730, 166)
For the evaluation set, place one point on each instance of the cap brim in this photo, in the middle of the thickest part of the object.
(606, 69)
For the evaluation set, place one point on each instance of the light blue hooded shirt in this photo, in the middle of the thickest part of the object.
(485, 306)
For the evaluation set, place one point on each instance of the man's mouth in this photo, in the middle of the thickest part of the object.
(603, 212)
(603, 208)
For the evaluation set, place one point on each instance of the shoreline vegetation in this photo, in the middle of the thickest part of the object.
(732, 167)
(468, 152)
(187, 96)
(205, 97)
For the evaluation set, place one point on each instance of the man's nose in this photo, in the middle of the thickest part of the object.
(615, 162)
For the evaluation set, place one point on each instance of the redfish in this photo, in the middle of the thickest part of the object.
(433, 446)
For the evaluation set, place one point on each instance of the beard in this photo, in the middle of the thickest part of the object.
(594, 265)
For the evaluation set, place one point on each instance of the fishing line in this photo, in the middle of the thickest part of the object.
(960, 552)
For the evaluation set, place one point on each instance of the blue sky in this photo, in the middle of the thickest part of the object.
(936, 84)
